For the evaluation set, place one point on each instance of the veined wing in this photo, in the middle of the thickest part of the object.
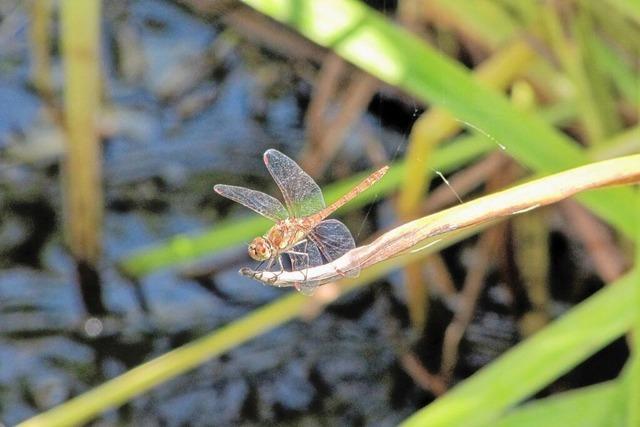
(333, 240)
(328, 241)
(257, 201)
(301, 193)
(305, 255)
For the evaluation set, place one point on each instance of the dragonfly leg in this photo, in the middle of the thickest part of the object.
(269, 264)
(281, 266)
(276, 274)
(304, 254)
(257, 274)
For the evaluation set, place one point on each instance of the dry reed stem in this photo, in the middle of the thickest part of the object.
(440, 279)
(487, 247)
(352, 104)
(261, 29)
(425, 379)
(323, 90)
(462, 183)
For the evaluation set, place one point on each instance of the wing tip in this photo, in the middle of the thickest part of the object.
(268, 153)
(277, 155)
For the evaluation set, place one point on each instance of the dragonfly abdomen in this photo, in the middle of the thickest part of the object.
(366, 183)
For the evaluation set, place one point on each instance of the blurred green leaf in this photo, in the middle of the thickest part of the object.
(634, 363)
(629, 8)
(594, 406)
(484, 20)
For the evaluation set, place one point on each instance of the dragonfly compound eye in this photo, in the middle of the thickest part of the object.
(260, 249)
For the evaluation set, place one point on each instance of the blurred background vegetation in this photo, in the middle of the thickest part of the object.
(120, 301)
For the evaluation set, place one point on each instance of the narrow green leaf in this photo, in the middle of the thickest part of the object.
(629, 8)
(622, 74)
(594, 406)
(484, 19)
(634, 364)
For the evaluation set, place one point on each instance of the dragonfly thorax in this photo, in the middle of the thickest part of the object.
(286, 234)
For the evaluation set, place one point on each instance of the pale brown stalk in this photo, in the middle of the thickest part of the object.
(421, 375)
(352, 105)
(484, 252)
(323, 90)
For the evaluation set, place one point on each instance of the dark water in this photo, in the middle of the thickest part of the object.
(160, 165)
(162, 156)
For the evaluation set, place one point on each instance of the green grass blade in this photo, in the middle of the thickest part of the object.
(621, 74)
(484, 20)
(594, 406)
(534, 363)
(629, 8)
(598, 82)
(634, 374)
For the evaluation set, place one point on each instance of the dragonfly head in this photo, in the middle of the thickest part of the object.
(260, 249)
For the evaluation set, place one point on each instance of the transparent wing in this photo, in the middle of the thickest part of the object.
(312, 256)
(328, 241)
(301, 194)
(333, 239)
(303, 256)
(257, 201)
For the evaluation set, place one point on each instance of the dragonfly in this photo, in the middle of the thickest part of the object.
(301, 231)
